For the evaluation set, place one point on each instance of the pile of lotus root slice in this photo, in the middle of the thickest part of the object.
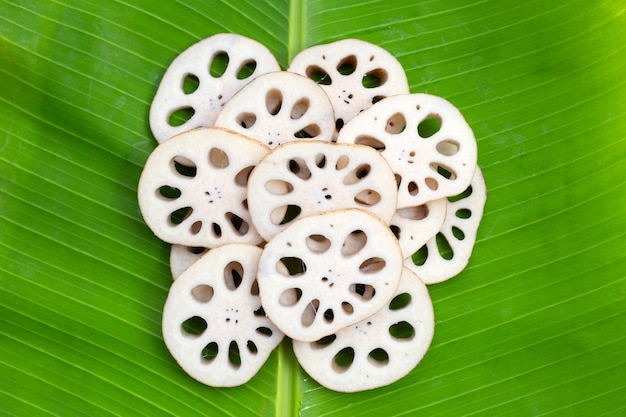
(315, 203)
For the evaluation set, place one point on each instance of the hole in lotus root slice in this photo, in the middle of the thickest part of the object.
(447, 253)
(246, 120)
(347, 307)
(299, 168)
(353, 243)
(293, 107)
(180, 117)
(444, 172)
(218, 64)
(278, 187)
(210, 168)
(355, 279)
(218, 158)
(458, 233)
(291, 266)
(234, 357)
(252, 347)
(190, 83)
(179, 215)
(324, 342)
(376, 99)
(395, 124)
(329, 315)
(241, 178)
(443, 247)
(347, 65)
(265, 331)
(203, 78)
(463, 213)
(168, 193)
(184, 166)
(342, 162)
(364, 291)
(196, 227)
(254, 290)
(436, 138)
(420, 256)
(432, 183)
(285, 214)
(400, 301)
(357, 174)
(308, 132)
(378, 357)
(237, 333)
(309, 313)
(367, 198)
(448, 147)
(209, 352)
(194, 326)
(413, 213)
(318, 75)
(239, 225)
(202, 293)
(429, 126)
(299, 108)
(402, 330)
(313, 177)
(233, 274)
(375, 78)
(343, 360)
(195, 250)
(216, 229)
(396, 230)
(320, 160)
(259, 312)
(353, 81)
(290, 297)
(378, 350)
(372, 265)
(273, 101)
(398, 179)
(246, 70)
(318, 243)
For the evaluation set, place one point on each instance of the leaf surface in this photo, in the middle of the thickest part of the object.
(535, 325)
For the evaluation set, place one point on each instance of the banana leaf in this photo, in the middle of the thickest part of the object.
(535, 325)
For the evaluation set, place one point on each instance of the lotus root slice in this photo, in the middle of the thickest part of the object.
(213, 322)
(192, 190)
(328, 271)
(202, 78)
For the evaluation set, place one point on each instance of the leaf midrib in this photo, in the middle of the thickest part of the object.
(288, 375)
(297, 28)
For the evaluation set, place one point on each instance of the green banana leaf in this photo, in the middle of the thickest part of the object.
(534, 326)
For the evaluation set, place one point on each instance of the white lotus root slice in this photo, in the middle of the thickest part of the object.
(426, 140)
(279, 107)
(354, 73)
(447, 254)
(213, 321)
(414, 226)
(302, 178)
(378, 350)
(192, 190)
(328, 271)
(202, 78)
(182, 257)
